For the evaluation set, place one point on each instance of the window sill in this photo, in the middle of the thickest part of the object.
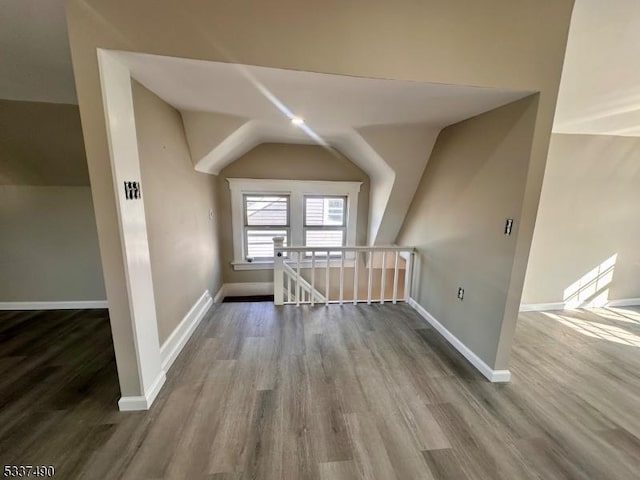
(268, 264)
(263, 265)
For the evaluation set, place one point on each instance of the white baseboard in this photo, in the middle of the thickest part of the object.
(69, 305)
(542, 307)
(624, 302)
(131, 404)
(247, 289)
(220, 295)
(172, 347)
(496, 376)
(547, 307)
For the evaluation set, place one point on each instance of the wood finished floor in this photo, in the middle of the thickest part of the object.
(366, 392)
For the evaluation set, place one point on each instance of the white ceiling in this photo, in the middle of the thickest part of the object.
(324, 101)
(600, 88)
(35, 62)
(254, 105)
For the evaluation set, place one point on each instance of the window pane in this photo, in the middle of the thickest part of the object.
(267, 209)
(325, 211)
(324, 238)
(260, 242)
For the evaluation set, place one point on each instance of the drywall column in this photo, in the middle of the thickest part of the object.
(137, 349)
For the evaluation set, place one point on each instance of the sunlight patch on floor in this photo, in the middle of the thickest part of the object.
(597, 330)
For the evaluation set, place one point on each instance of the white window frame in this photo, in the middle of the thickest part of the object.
(247, 227)
(296, 189)
(305, 228)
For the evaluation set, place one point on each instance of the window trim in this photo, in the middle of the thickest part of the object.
(297, 190)
(338, 228)
(246, 227)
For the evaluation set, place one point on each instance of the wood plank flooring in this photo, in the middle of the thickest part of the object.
(337, 393)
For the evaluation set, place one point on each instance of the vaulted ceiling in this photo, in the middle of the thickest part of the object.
(386, 127)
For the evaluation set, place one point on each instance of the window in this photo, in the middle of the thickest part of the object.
(311, 213)
(325, 221)
(265, 217)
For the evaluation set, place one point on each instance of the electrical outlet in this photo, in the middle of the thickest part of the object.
(460, 293)
(508, 226)
(132, 190)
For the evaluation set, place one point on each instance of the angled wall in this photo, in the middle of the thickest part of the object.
(406, 150)
(183, 240)
(205, 132)
(474, 181)
(41, 144)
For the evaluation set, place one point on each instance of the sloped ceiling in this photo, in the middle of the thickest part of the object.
(387, 128)
(35, 60)
(41, 144)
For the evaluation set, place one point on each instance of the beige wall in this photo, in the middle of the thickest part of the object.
(48, 235)
(473, 182)
(183, 242)
(287, 162)
(49, 245)
(41, 144)
(589, 212)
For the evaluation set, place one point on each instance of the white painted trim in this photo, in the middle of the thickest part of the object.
(268, 265)
(296, 189)
(252, 265)
(548, 307)
(173, 345)
(131, 404)
(541, 307)
(122, 140)
(496, 376)
(70, 305)
(624, 302)
(330, 187)
(248, 289)
(220, 295)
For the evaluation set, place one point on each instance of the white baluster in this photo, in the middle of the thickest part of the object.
(298, 286)
(342, 276)
(355, 277)
(395, 279)
(313, 276)
(383, 279)
(327, 279)
(370, 280)
(408, 277)
(278, 279)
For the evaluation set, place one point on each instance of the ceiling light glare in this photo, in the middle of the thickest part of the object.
(297, 121)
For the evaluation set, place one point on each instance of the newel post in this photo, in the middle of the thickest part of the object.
(408, 279)
(278, 274)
